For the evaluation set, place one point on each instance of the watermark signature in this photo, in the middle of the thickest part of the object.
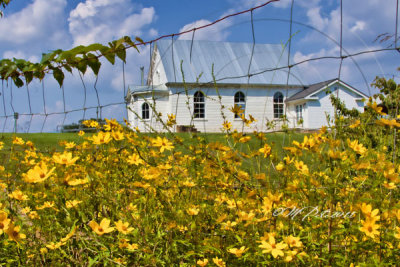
(311, 211)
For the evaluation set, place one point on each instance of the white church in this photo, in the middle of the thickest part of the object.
(200, 81)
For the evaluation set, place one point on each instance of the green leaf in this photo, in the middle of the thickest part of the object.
(82, 65)
(21, 64)
(78, 50)
(95, 47)
(139, 39)
(11, 69)
(18, 82)
(68, 68)
(109, 54)
(67, 55)
(121, 53)
(50, 56)
(58, 75)
(28, 76)
(119, 42)
(94, 63)
(93, 261)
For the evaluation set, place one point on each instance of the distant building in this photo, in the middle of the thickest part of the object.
(180, 82)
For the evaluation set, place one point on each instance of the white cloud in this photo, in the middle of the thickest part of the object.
(19, 54)
(104, 20)
(37, 21)
(359, 26)
(278, 4)
(315, 18)
(217, 32)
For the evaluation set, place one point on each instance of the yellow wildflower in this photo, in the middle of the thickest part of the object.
(369, 213)
(219, 262)
(123, 227)
(171, 120)
(47, 204)
(389, 186)
(132, 247)
(355, 124)
(33, 215)
(65, 158)
(18, 141)
(74, 182)
(227, 125)
(117, 135)
(69, 235)
(72, 203)
(244, 139)
(293, 241)
(54, 246)
(266, 150)
(91, 123)
(193, 211)
(280, 166)
(101, 138)
(397, 235)
(188, 183)
(386, 122)
(369, 228)
(70, 145)
(4, 222)
(238, 251)
(301, 167)
(237, 110)
(18, 195)
(276, 249)
(375, 107)
(135, 159)
(163, 143)
(38, 174)
(358, 148)
(102, 228)
(202, 262)
(13, 233)
(228, 225)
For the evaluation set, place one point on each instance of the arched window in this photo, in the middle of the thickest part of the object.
(199, 105)
(240, 101)
(278, 105)
(145, 111)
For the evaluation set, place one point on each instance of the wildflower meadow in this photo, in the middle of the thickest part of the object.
(122, 197)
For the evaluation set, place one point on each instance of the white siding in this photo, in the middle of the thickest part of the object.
(318, 110)
(160, 104)
(259, 103)
(156, 73)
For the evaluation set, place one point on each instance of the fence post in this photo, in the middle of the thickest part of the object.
(16, 115)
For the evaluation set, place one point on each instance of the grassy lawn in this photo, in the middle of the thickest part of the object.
(42, 141)
(50, 141)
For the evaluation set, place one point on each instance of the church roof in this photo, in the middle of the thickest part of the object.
(230, 61)
(313, 88)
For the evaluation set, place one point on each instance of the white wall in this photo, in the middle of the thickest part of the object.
(259, 103)
(160, 104)
(317, 109)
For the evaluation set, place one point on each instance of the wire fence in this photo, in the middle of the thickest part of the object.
(45, 117)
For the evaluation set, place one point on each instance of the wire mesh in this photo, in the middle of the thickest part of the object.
(207, 87)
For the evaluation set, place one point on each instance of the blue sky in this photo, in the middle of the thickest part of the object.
(30, 28)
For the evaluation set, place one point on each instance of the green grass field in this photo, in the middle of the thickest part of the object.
(49, 142)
